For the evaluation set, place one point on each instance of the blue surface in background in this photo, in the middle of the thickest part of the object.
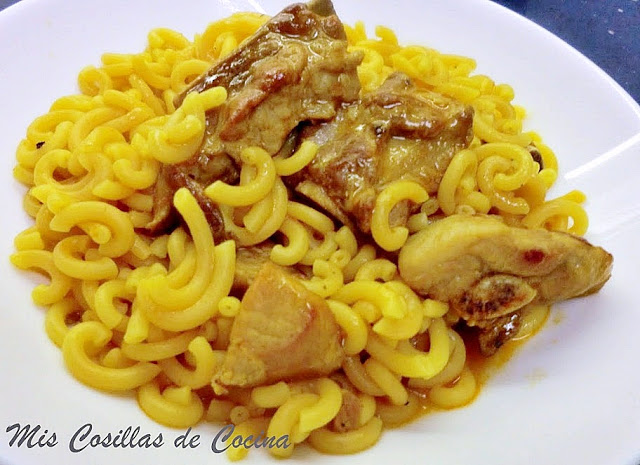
(606, 31)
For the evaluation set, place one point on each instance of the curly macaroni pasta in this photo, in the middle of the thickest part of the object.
(153, 314)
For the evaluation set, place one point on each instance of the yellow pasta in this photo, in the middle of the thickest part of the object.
(352, 324)
(297, 161)
(284, 420)
(330, 442)
(505, 201)
(461, 393)
(181, 133)
(410, 325)
(44, 294)
(271, 396)
(29, 239)
(377, 269)
(219, 410)
(340, 258)
(308, 215)
(92, 336)
(562, 208)
(176, 407)
(252, 192)
(517, 155)
(385, 236)
(358, 376)
(64, 257)
(206, 307)
(322, 412)
(387, 381)
(158, 287)
(258, 215)
(411, 362)
(320, 250)
(366, 253)
(153, 313)
(246, 433)
(185, 71)
(297, 247)
(55, 321)
(104, 303)
(327, 278)
(465, 162)
(122, 234)
(390, 303)
(138, 326)
(229, 306)
(239, 414)
(114, 358)
(206, 362)
(158, 350)
(455, 365)
(278, 198)
(347, 241)
(395, 415)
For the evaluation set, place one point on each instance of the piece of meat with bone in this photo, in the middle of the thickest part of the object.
(295, 68)
(395, 132)
(487, 270)
(283, 331)
(195, 174)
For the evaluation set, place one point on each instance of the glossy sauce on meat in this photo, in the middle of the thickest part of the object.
(295, 68)
(395, 132)
(488, 271)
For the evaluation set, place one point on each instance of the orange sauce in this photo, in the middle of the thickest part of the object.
(482, 367)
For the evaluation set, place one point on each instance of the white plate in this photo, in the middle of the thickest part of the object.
(572, 395)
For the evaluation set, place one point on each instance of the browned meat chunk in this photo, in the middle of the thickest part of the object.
(294, 68)
(249, 262)
(164, 215)
(536, 155)
(195, 174)
(488, 270)
(493, 333)
(396, 132)
(348, 417)
(283, 331)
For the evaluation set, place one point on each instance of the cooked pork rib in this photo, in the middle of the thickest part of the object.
(283, 331)
(487, 270)
(396, 132)
(294, 68)
(249, 262)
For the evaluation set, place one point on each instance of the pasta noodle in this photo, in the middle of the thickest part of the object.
(252, 192)
(153, 314)
(393, 238)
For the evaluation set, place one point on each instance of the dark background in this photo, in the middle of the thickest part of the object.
(606, 31)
